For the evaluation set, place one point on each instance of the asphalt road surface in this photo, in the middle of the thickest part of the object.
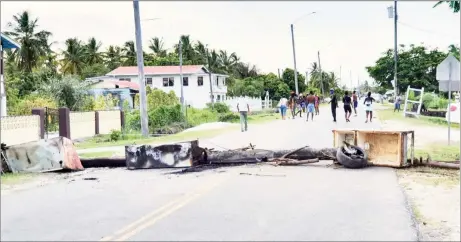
(312, 202)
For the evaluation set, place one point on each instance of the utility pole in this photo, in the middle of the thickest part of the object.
(141, 79)
(181, 78)
(307, 78)
(321, 74)
(211, 82)
(340, 74)
(278, 69)
(392, 13)
(294, 59)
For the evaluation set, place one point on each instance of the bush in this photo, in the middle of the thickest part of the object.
(427, 99)
(200, 116)
(115, 135)
(105, 102)
(25, 106)
(219, 107)
(229, 117)
(165, 115)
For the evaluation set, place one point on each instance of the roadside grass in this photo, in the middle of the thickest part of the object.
(439, 152)
(389, 114)
(100, 154)
(136, 138)
(430, 176)
(16, 178)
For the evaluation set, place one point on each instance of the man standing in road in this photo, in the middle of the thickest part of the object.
(293, 101)
(355, 102)
(316, 104)
(334, 103)
(310, 100)
(243, 114)
(347, 101)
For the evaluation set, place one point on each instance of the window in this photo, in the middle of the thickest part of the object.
(200, 81)
(125, 79)
(149, 80)
(219, 97)
(217, 84)
(185, 81)
(168, 81)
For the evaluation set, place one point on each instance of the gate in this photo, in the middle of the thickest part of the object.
(51, 122)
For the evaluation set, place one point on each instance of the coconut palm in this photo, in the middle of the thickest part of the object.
(188, 52)
(73, 57)
(227, 61)
(157, 46)
(33, 44)
(129, 54)
(453, 5)
(113, 57)
(92, 54)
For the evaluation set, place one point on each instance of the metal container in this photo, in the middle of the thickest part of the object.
(384, 147)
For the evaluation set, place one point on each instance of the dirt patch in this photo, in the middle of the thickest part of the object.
(435, 197)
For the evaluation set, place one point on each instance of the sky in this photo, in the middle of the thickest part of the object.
(348, 35)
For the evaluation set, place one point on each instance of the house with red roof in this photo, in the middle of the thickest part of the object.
(195, 80)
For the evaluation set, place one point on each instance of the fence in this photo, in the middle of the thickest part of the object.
(20, 129)
(255, 103)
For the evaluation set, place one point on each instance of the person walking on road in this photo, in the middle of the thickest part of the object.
(347, 101)
(310, 100)
(334, 103)
(316, 104)
(283, 105)
(355, 102)
(292, 102)
(368, 102)
(397, 104)
(243, 114)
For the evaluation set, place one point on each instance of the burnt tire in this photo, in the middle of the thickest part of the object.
(349, 162)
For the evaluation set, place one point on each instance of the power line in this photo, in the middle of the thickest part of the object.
(425, 30)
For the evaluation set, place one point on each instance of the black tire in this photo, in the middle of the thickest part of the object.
(350, 163)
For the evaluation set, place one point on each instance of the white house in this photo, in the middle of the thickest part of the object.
(196, 81)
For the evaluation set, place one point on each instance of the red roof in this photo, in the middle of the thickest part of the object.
(126, 84)
(154, 70)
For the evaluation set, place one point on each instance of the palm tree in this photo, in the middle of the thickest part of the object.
(227, 61)
(244, 70)
(113, 57)
(201, 53)
(92, 54)
(454, 5)
(157, 46)
(129, 54)
(74, 57)
(188, 51)
(33, 44)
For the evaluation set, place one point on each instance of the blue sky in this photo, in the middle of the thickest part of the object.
(349, 35)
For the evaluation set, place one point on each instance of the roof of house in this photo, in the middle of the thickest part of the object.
(156, 70)
(125, 84)
(8, 43)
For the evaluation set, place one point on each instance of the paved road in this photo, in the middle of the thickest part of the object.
(241, 203)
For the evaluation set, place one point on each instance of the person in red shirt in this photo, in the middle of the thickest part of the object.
(316, 104)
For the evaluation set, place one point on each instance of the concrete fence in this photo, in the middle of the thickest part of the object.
(77, 125)
(20, 129)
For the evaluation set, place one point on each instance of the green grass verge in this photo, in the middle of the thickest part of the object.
(100, 141)
(98, 154)
(16, 178)
(389, 114)
(439, 152)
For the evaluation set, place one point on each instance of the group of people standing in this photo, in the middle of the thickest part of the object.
(298, 103)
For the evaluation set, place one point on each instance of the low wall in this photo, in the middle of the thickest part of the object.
(82, 124)
(109, 120)
(20, 129)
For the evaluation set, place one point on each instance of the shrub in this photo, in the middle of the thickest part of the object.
(105, 102)
(133, 121)
(219, 107)
(25, 106)
(165, 115)
(199, 116)
(115, 135)
(229, 117)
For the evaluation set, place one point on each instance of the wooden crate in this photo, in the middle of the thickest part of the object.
(384, 147)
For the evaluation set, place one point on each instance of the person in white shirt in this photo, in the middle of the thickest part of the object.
(283, 105)
(243, 114)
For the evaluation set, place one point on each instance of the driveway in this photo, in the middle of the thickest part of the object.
(257, 202)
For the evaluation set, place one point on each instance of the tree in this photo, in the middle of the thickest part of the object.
(129, 54)
(91, 52)
(289, 78)
(67, 92)
(113, 57)
(156, 45)
(74, 57)
(417, 68)
(454, 5)
(33, 44)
